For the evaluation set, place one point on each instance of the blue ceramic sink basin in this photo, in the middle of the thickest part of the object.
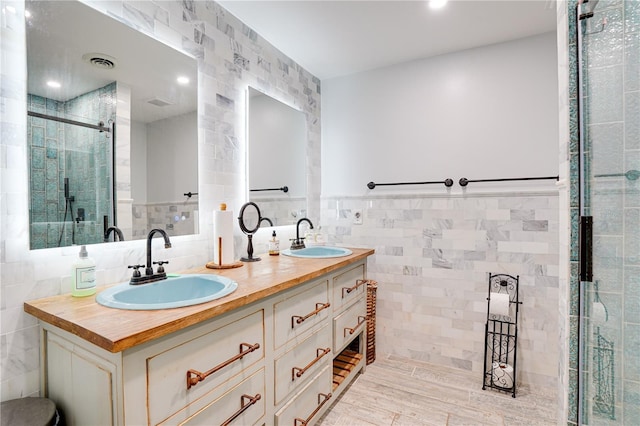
(318, 252)
(174, 292)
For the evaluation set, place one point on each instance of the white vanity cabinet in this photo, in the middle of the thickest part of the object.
(277, 360)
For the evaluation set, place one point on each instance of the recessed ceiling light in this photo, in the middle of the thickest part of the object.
(437, 4)
(53, 84)
(27, 14)
(183, 80)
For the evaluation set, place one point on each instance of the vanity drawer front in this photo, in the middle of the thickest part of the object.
(210, 360)
(306, 405)
(300, 312)
(348, 287)
(349, 324)
(243, 405)
(302, 362)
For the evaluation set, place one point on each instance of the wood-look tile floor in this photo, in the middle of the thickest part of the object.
(397, 391)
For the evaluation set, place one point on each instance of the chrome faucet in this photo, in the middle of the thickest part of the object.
(117, 234)
(298, 243)
(149, 275)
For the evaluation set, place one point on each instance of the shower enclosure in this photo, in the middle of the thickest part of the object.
(71, 174)
(608, 106)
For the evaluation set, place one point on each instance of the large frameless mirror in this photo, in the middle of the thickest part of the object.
(111, 133)
(277, 158)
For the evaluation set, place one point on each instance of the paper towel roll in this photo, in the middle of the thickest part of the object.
(223, 236)
(499, 304)
(502, 375)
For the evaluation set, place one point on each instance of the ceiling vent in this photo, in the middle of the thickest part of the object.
(159, 102)
(100, 60)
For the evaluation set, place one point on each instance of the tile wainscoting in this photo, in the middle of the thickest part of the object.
(433, 256)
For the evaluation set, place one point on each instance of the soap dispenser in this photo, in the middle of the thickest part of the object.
(83, 275)
(274, 245)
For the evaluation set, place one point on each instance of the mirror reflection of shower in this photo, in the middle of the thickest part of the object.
(71, 168)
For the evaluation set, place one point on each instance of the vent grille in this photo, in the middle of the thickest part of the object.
(100, 60)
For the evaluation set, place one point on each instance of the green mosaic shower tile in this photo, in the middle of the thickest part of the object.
(51, 169)
(38, 235)
(574, 164)
(573, 126)
(52, 105)
(35, 100)
(631, 16)
(37, 201)
(37, 180)
(37, 158)
(51, 129)
(52, 152)
(53, 234)
(631, 366)
(52, 186)
(574, 290)
(573, 395)
(38, 216)
(575, 214)
(573, 73)
(632, 294)
(52, 212)
(631, 401)
(37, 138)
(632, 61)
(573, 337)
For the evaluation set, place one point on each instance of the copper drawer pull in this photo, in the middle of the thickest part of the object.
(243, 407)
(300, 371)
(297, 319)
(347, 290)
(361, 320)
(302, 422)
(194, 377)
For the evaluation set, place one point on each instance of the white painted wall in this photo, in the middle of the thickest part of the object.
(172, 158)
(139, 162)
(489, 112)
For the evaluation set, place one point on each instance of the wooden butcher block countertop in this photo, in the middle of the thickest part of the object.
(117, 329)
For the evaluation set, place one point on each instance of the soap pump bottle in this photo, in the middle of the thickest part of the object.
(83, 275)
(274, 245)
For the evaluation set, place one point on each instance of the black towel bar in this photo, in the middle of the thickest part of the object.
(283, 189)
(465, 181)
(447, 182)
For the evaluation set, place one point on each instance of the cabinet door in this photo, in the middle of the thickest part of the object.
(299, 312)
(302, 362)
(348, 287)
(243, 405)
(308, 405)
(349, 324)
(210, 360)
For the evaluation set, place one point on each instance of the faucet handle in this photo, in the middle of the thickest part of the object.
(136, 270)
(160, 263)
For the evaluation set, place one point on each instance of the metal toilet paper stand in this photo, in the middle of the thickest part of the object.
(501, 334)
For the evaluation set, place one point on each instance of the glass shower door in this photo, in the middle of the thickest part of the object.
(610, 181)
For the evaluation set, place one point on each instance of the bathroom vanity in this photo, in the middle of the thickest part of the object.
(279, 350)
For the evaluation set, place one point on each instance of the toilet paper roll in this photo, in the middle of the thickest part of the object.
(502, 375)
(223, 237)
(499, 304)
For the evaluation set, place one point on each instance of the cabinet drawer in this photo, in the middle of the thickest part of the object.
(349, 324)
(300, 312)
(243, 405)
(209, 360)
(306, 405)
(348, 287)
(303, 361)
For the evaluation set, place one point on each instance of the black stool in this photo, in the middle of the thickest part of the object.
(29, 412)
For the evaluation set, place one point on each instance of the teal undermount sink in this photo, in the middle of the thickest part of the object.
(318, 252)
(173, 292)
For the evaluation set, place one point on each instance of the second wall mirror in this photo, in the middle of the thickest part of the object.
(277, 135)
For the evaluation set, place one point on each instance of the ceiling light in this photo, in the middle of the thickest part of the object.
(183, 80)
(27, 14)
(437, 4)
(53, 84)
